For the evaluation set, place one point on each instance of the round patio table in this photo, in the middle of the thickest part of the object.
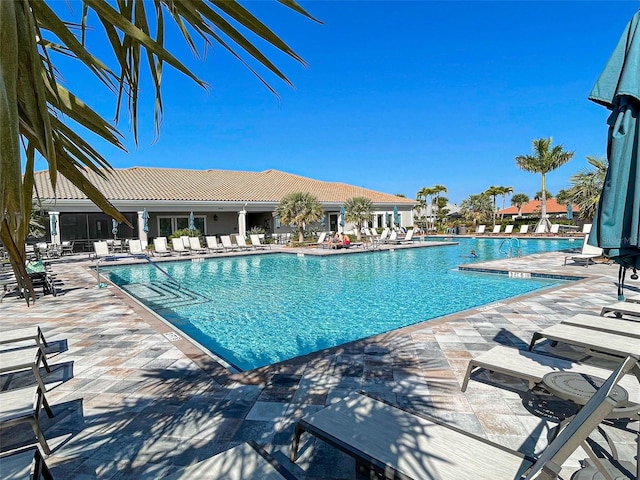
(578, 387)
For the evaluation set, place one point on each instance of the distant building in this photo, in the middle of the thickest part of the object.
(534, 209)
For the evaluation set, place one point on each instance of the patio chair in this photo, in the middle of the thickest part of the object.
(196, 246)
(555, 229)
(630, 308)
(508, 230)
(23, 405)
(593, 342)
(227, 245)
(587, 253)
(256, 243)
(16, 359)
(541, 229)
(480, 229)
(400, 444)
(22, 335)
(242, 242)
(496, 229)
(524, 229)
(66, 248)
(135, 247)
(246, 461)
(24, 463)
(177, 247)
(608, 324)
(586, 228)
(100, 250)
(212, 244)
(160, 247)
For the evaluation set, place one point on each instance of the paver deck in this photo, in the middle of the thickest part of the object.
(133, 400)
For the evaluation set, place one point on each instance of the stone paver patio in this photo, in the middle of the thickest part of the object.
(133, 400)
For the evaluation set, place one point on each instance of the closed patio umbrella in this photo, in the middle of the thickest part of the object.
(54, 226)
(145, 219)
(569, 211)
(114, 228)
(342, 216)
(396, 216)
(192, 224)
(616, 226)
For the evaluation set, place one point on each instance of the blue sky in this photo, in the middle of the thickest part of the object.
(396, 96)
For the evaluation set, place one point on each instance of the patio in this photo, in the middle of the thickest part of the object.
(133, 399)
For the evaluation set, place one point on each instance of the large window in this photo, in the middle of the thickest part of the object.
(168, 225)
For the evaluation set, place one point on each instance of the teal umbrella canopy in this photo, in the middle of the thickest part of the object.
(342, 216)
(114, 227)
(145, 220)
(54, 226)
(396, 217)
(616, 226)
(569, 211)
(192, 222)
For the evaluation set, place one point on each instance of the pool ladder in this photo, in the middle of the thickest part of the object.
(141, 256)
(510, 247)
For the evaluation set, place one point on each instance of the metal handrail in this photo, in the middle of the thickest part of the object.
(141, 256)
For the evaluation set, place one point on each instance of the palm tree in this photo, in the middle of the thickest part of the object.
(39, 116)
(518, 200)
(586, 186)
(358, 210)
(538, 195)
(299, 209)
(544, 160)
(424, 197)
(493, 192)
(504, 192)
(437, 189)
(477, 208)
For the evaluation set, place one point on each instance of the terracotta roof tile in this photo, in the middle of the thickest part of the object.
(534, 206)
(143, 183)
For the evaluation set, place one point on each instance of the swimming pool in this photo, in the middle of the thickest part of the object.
(257, 310)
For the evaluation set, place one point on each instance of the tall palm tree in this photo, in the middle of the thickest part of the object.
(424, 197)
(518, 200)
(544, 160)
(299, 209)
(586, 186)
(504, 192)
(493, 192)
(477, 208)
(358, 210)
(39, 115)
(437, 189)
(538, 195)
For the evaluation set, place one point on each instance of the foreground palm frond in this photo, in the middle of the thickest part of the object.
(40, 117)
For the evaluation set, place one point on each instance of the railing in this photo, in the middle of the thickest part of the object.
(510, 247)
(140, 256)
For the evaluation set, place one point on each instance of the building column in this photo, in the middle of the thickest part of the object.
(142, 235)
(242, 222)
(54, 227)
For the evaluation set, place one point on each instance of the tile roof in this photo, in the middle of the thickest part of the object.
(144, 183)
(534, 206)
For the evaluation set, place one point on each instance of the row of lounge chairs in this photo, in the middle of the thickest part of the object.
(524, 229)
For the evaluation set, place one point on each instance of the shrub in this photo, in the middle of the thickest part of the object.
(185, 232)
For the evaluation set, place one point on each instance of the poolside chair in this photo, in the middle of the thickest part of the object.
(256, 243)
(587, 253)
(619, 309)
(480, 229)
(607, 324)
(524, 229)
(586, 228)
(212, 245)
(541, 229)
(177, 246)
(185, 241)
(246, 461)
(100, 250)
(496, 229)
(400, 444)
(23, 358)
(160, 247)
(508, 230)
(24, 334)
(227, 245)
(66, 248)
(135, 247)
(23, 405)
(24, 463)
(241, 241)
(593, 342)
(555, 229)
(195, 245)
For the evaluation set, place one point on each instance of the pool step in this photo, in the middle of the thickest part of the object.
(164, 295)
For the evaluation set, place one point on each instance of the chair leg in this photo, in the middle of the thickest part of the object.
(43, 441)
(295, 443)
(536, 336)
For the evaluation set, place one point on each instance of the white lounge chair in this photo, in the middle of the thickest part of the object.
(177, 246)
(160, 247)
(242, 242)
(619, 309)
(524, 229)
(496, 229)
(606, 324)
(586, 228)
(555, 229)
(508, 230)
(480, 229)
(195, 245)
(541, 229)
(405, 445)
(212, 244)
(100, 250)
(135, 247)
(256, 243)
(227, 245)
(587, 253)
(23, 405)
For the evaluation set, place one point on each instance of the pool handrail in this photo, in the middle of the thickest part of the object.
(140, 256)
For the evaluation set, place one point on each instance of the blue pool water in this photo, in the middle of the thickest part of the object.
(257, 310)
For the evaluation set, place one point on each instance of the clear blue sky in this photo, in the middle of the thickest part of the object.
(397, 95)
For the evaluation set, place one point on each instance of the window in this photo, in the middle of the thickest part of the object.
(168, 225)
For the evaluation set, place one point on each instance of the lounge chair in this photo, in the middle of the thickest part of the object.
(212, 245)
(100, 250)
(587, 253)
(400, 444)
(246, 461)
(242, 242)
(594, 342)
(177, 246)
(555, 229)
(532, 367)
(524, 229)
(480, 229)
(135, 247)
(23, 405)
(496, 229)
(185, 241)
(16, 359)
(399, 241)
(227, 245)
(541, 229)
(508, 230)
(160, 247)
(195, 245)
(629, 308)
(586, 228)
(256, 243)
(25, 463)
(607, 324)
(23, 334)
(66, 248)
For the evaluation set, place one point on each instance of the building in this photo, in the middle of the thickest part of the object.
(534, 209)
(221, 202)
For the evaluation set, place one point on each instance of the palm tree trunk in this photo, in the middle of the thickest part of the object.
(543, 206)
